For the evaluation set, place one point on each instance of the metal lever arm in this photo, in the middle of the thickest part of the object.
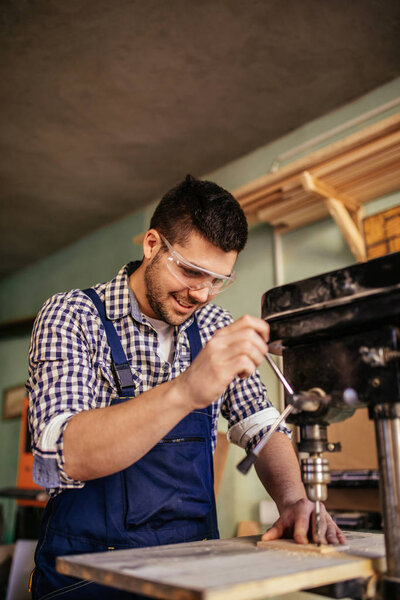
(250, 459)
(245, 464)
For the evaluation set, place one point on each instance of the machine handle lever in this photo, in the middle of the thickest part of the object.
(279, 375)
(244, 465)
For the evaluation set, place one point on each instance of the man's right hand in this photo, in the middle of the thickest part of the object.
(235, 350)
(103, 441)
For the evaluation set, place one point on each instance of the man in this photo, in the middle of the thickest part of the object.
(126, 383)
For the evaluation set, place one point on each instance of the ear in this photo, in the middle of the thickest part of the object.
(151, 243)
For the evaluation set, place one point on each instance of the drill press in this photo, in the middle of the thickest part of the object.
(339, 334)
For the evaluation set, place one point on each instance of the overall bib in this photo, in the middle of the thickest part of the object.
(166, 497)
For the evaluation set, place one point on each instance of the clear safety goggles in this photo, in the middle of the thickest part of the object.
(194, 277)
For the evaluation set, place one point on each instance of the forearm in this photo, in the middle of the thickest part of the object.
(102, 441)
(106, 440)
(278, 470)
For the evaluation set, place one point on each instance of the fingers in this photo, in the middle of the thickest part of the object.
(334, 535)
(244, 342)
(298, 519)
(330, 532)
(234, 350)
(260, 326)
(274, 532)
(301, 526)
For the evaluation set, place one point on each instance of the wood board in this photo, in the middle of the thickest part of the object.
(292, 546)
(220, 569)
(357, 168)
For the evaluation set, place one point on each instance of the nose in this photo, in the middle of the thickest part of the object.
(200, 295)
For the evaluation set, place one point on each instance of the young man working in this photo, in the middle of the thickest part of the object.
(126, 383)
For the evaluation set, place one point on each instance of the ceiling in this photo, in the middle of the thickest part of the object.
(105, 105)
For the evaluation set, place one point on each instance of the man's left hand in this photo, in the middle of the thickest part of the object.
(297, 521)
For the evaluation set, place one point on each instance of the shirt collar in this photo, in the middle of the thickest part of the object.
(117, 299)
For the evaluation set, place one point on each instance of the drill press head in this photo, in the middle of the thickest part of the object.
(339, 331)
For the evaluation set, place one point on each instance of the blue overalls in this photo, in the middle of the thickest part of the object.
(164, 498)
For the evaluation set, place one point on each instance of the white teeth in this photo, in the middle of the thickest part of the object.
(183, 303)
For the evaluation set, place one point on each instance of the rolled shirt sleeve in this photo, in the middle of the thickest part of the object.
(249, 412)
(61, 384)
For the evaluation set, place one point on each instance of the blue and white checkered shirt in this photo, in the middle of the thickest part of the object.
(70, 371)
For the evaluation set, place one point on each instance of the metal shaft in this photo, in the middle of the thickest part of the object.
(280, 375)
(388, 443)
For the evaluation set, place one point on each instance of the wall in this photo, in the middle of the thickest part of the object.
(97, 257)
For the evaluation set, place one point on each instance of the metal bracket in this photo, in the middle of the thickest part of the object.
(378, 357)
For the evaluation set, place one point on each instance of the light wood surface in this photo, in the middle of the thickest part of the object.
(356, 169)
(292, 546)
(220, 569)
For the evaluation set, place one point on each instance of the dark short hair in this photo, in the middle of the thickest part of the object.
(203, 206)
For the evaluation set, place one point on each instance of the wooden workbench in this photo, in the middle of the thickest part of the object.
(220, 569)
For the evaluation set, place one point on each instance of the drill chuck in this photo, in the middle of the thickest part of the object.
(316, 476)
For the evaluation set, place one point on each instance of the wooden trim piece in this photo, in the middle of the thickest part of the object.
(337, 203)
(312, 184)
(348, 228)
(247, 193)
(337, 179)
(220, 457)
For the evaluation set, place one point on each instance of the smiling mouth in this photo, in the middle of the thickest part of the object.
(184, 305)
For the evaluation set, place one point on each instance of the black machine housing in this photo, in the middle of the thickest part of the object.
(328, 327)
(340, 333)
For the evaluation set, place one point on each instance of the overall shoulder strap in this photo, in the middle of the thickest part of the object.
(194, 338)
(120, 366)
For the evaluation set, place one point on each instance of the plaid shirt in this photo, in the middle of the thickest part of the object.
(70, 369)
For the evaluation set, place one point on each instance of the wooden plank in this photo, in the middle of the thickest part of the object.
(321, 157)
(360, 167)
(348, 228)
(220, 569)
(311, 184)
(302, 217)
(353, 455)
(220, 457)
(358, 499)
(292, 546)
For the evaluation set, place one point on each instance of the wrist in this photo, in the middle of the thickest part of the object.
(180, 394)
(284, 503)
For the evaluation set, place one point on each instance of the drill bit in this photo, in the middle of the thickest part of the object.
(318, 521)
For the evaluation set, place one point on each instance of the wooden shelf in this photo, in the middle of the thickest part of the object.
(336, 180)
(17, 328)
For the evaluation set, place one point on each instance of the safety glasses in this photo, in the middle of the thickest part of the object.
(193, 277)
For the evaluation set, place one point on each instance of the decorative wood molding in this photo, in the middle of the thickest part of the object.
(344, 210)
(336, 180)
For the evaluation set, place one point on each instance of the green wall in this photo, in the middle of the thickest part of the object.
(305, 252)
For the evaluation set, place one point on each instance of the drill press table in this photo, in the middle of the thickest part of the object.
(220, 569)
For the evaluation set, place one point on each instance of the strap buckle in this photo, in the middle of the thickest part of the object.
(122, 375)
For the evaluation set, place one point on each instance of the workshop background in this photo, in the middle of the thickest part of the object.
(104, 106)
